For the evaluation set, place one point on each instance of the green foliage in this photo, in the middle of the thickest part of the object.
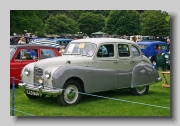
(60, 23)
(89, 22)
(123, 22)
(102, 12)
(167, 18)
(129, 22)
(29, 20)
(153, 23)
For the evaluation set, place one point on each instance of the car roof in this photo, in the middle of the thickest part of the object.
(102, 40)
(151, 42)
(63, 39)
(32, 45)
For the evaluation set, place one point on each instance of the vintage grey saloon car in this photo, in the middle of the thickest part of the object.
(88, 66)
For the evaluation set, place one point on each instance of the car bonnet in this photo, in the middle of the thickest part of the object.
(63, 60)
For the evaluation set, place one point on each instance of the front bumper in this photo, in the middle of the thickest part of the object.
(41, 89)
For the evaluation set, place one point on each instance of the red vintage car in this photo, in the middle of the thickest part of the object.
(21, 55)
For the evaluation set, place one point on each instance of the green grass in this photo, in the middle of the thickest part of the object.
(155, 104)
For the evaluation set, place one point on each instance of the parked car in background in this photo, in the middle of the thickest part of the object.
(46, 42)
(161, 60)
(148, 38)
(40, 39)
(21, 55)
(149, 47)
(88, 66)
(15, 39)
(156, 51)
(62, 41)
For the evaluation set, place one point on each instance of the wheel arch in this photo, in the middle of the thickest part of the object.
(143, 74)
(79, 80)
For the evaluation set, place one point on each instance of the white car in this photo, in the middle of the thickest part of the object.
(88, 66)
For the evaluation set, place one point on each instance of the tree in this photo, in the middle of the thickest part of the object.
(123, 22)
(60, 23)
(29, 20)
(154, 23)
(89, 22)
(102, 12)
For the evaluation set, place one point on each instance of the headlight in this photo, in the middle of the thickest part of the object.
(40, 79)
(27, 71)
(47, 74)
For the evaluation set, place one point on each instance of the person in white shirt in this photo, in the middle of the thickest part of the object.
(22, 41)
(62, 49)
(134, 39)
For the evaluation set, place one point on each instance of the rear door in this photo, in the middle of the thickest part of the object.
(126, 64)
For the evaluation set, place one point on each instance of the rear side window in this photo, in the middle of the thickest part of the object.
(161, 46)
(142, 46)
(47, 53)
(135, 51)
(123, 50)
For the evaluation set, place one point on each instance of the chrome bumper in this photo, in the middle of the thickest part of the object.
(159, 79)
(41, 89)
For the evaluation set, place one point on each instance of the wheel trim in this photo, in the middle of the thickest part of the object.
(141, 90)
(71, 94)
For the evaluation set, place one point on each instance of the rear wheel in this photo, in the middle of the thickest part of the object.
(70, 94)
(140, 90)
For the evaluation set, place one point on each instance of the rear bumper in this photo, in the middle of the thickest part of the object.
(41, 89)
(159, 79)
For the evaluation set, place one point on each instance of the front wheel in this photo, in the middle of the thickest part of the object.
(70, 94)
(140, 90)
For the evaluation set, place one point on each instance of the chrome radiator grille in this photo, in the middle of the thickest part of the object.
(37, 73)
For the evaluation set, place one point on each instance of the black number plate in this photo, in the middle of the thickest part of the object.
(34, 93)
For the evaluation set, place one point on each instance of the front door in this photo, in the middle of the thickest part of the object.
(105, 68)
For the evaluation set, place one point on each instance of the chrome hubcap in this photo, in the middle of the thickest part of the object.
(71, 94)
(141, 90)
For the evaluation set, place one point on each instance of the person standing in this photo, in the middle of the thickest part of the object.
(168, 45)
(134, 39)
(62, 49)
(22, 41)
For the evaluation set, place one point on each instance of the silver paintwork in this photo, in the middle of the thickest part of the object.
(96, 74)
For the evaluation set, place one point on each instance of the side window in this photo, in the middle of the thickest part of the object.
(123, 50)
(142, 46)
(157, 47)
(47, 53)
(27, 54)
(163, 47)
(106, 51)
(135, 51)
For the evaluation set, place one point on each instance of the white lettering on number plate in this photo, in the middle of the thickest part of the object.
(32, 93)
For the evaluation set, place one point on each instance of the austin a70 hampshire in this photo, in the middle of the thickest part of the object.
(89, 66)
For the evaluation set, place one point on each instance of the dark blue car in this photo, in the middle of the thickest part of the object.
(150, 48)
(157, 52)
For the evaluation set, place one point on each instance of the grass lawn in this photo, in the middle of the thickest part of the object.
(115, 103)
